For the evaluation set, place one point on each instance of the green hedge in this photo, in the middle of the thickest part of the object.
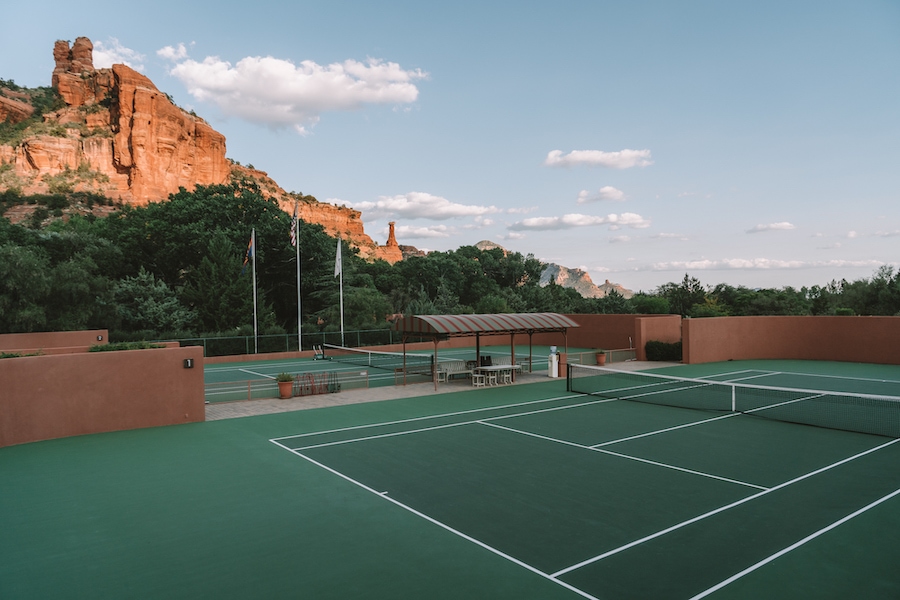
(664, 351)
(124, 346)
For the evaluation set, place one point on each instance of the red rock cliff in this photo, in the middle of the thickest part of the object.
(119, 136)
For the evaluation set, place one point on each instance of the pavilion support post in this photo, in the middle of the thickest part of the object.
(477, 350)
(434, 367)
(512, 353)
(530, 351)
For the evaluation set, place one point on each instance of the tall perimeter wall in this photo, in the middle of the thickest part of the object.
(854, 339)
(55, 396)
(614, 332)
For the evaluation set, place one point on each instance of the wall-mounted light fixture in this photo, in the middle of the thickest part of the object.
(189, 363)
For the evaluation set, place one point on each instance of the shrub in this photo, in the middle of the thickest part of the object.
(124, 346)
(663, 351)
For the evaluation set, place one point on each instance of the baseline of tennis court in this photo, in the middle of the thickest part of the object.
(615, 498)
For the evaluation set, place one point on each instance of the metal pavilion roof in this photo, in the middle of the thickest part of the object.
(463, 325)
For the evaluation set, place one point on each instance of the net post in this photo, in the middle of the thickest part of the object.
(733, 398)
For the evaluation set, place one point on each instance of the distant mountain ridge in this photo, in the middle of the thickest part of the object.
(576, 279)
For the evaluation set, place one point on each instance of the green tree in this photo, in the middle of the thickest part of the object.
(80, 296)
(221, 291)
(649, 304)
(145, 302)
(24, 288)
(682, 297)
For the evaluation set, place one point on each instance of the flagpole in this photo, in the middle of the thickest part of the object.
(296, 239)
(339, 270)
(255, 322)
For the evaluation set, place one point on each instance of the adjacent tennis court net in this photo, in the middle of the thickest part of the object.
(416, 364)
(864, 413)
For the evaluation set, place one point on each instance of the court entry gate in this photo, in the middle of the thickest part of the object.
(443, 327)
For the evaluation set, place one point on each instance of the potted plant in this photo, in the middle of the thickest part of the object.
(285, 385)
(601, 357)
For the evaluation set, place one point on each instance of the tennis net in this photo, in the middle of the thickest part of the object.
(864, 413)
(420, 364)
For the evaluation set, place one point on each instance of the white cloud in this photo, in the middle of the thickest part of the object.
(420, 205)
(113, 53)
(278, 93)
(620, 239)
(479, 223)
(782, 226)
(670, 236)
(623, 159)
(521, 210)
(573, 220)
(607, 192)
(512, 235)
(755, 264)
(852, 234)
(173, 54)
(406, 232)
(888, 233)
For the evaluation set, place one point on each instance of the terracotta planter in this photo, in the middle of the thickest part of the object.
(285, 389)
(601, 358)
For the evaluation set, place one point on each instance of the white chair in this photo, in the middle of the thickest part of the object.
(491, 378)
(506, 376)
(477, 380)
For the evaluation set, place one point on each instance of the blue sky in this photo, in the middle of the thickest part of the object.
(754, 144)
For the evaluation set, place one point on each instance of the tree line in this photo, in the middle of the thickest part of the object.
(176, 269)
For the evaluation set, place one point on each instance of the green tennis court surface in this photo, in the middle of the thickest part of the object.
(518, 492)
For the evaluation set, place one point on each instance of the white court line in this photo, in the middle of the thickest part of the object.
(658, 431)
(731, 373)
(824, 376)
(258, 374)
(625, 456)
(719, 510)
(762, 374)
(423, 429)
(385, 496)
(781, 553)
(425, 418)
(384, 435)
(760, 408)
(729, 415)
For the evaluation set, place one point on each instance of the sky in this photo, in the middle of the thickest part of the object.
(753, 143)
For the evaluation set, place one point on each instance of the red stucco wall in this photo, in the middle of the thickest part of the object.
(52, 342)
(855, 339)
(54, 396)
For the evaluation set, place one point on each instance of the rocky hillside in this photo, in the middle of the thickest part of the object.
(569, 278)
(112, 132)
(580, 282)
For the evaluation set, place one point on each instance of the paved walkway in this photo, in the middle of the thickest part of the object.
(265, 406)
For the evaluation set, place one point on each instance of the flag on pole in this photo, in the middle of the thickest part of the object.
(248, 255)
(294, 227)
(338, 267)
